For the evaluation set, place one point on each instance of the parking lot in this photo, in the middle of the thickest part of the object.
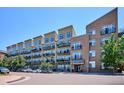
(68, 79)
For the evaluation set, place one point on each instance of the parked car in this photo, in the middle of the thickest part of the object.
(27, 70)
(4, 70)
(47, 71)
(36, 71)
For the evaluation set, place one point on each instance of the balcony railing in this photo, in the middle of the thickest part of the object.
(80, 58)
(63, 60)
(48, 54)
(77, 61)
(36, 55)
(49, 47)
(36, 49)
(49, 60)
(76, 47)
(107, 31)
(27, 57)
(63, 44)
(65, 52)
(26, 52)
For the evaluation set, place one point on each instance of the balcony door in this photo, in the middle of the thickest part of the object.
(77, 68)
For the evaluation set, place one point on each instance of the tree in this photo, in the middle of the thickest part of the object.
(112, 52)
(46, 66)
(13, 63)
(18, 62)
(1, 63)
(5, 61)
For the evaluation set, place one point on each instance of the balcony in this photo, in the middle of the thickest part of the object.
(27, 57)
(65, 52)
(36, 49)
(36, 55)
(63, 60)
(50, 60)
(48, 54)
(63, 44)
(78, 47)
(78, 60)
(26, 52)
(48, 47)
(107, 31)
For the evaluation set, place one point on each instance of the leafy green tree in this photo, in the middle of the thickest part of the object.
(18, 62)
(21, 61)
(13, 63)
(5, 61)
(1, 63)
(112, 53)
(46, 66)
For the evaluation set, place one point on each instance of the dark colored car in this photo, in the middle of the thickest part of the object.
(4, 70)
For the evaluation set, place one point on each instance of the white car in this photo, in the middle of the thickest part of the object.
(36, 71)
(27, 70)
(39, 71)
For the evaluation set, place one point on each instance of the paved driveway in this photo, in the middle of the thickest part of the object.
(69, 79)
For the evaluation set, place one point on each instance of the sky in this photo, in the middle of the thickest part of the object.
(19, 24)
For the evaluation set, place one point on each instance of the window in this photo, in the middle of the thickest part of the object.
(52, 39)
(46, 40)
(68, 34)
(92, 42)
(77, 45)
(77, 55)
(107, 29)
(92, 64)
(61, 36)
(104, 40)
(92, 32)
(92, 53)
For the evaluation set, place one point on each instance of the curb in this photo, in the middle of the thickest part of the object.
(21, 78)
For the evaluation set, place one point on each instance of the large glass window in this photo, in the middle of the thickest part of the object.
(76, 45)
(92, 53)
(52, 39)
(92, 32)
(92, 42)
(46, 40)
(92, 64)
(104, 40)
(107, 29)
(76, 55)
(69, 34)
(61, 36)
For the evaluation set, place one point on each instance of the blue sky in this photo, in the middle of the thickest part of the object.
(19, 24)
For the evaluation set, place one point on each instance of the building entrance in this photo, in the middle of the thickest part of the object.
(77, 68)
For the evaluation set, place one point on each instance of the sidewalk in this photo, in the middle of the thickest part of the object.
(5, 80)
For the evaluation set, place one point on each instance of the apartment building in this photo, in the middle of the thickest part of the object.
(63, 47)
(68, 51)
(79, 53)
(99, 31)
(20, 47)
(36, 51)
(49, 47)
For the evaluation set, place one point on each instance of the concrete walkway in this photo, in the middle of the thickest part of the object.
(11, 78)
(70, 79)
